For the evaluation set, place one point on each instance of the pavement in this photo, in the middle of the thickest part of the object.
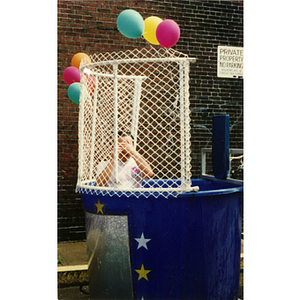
(72, 274)
(72, 271)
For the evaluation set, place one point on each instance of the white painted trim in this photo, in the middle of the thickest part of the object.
(72, 268)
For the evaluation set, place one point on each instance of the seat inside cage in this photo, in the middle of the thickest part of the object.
(144, 92)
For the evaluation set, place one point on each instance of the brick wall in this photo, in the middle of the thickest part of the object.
(90, 27)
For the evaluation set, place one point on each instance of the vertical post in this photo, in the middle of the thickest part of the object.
(229, 168)
(203, 163)
(115, 73)
(136, 108)
(186, 65)
(220, 146)
(182, 122)
(81, 137)
(93, 129)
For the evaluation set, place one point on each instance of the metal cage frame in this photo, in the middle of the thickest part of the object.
(125, 79)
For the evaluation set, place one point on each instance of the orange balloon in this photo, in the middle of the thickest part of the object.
(78, 57)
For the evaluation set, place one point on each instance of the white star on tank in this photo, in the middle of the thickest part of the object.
(142, 242)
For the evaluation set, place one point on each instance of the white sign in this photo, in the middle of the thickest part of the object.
(230, 62)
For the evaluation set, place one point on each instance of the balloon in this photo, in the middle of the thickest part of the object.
(78, 57)
(71, 74)
(167, 33)
(74, 92)
(151, 24)
(130, 23)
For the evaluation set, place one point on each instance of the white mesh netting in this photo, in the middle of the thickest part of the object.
(144, 92)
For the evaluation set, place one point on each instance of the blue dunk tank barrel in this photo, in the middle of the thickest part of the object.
(184, 247)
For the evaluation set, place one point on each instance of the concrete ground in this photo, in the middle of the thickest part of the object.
(72, 275)
(72, 254)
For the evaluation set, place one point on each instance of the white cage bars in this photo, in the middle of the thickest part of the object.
(144, 92)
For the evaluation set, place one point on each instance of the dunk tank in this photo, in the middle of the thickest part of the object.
(173, 237)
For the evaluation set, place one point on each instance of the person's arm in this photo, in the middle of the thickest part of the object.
(142, 164)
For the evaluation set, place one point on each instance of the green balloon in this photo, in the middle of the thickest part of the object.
(74, 92)
(130, 23)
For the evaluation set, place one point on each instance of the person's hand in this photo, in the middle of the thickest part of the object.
(125, 151)
(126, 148)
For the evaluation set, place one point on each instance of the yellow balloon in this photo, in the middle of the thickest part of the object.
(151, 24)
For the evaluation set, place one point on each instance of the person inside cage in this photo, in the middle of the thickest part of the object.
(132, 167)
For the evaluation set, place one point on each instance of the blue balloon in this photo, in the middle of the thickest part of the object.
(74, 92)
(130, 23)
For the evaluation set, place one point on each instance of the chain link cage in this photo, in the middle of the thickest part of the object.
(144, 92)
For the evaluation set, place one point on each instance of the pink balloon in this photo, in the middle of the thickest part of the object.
(167, 33)
(71, 75)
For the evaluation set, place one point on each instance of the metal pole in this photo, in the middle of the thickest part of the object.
(182, 133)
(116, 175)
(81, 136)
(136, 109)
(187, 122)
(93, 130)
